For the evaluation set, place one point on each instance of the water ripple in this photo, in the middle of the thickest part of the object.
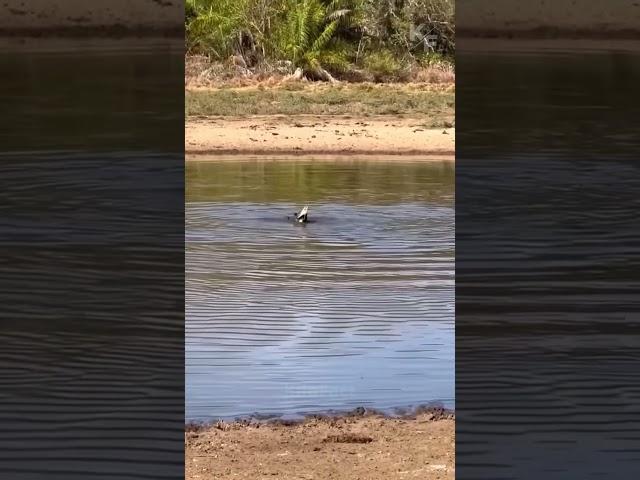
(356, 308)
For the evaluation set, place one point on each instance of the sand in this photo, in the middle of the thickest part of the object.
(350, 448)
(317, 135)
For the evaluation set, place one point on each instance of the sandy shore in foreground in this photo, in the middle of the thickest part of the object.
(317, 135)
(349, 448)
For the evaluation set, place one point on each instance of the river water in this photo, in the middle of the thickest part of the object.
(355, 308)
(547, 258)
(92, 215)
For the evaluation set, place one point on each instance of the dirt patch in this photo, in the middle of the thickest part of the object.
(348, 438)
(317, 134)
(369, 447)
(294, 118)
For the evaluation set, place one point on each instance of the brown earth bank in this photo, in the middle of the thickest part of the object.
(204, 72)
(317, 135)
(371, 447)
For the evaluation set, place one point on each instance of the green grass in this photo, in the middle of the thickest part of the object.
(356, 99)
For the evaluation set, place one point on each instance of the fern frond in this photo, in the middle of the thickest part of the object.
(325, 37)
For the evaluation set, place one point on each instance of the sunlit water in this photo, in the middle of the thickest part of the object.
(353, 309)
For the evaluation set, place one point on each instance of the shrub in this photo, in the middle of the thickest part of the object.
(351, 39)
(384, 66)
(214, 27)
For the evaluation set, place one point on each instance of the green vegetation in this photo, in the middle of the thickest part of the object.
(382, 40)
(436, 106)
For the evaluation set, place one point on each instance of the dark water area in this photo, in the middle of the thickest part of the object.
(91, 215)
(547, 345)
(89, 95)
(354, 309)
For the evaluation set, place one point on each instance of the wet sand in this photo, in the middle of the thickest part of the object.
(317, 134)
(350, 448)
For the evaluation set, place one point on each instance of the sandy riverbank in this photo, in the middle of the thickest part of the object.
(349, 448)
(317, 135)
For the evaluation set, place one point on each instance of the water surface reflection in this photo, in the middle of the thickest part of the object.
(354, 309)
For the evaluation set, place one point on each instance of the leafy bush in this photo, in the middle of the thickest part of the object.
(214, 26)
(322, 37)
(306, 34)
(383, 65)
(434, 59)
